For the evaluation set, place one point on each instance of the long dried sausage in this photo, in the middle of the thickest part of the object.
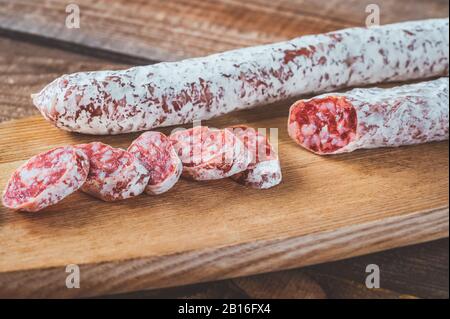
(46, 179)
(164, 94)
(157, 154)
(114, 174)
(369, 118)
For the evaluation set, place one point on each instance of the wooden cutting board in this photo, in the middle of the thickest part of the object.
(327, 208)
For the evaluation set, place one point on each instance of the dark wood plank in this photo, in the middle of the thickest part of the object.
(341, 288)
(224, 289)
(171, 30)
(25, 68)
(290, 284)
(293, 284)
(419, 270)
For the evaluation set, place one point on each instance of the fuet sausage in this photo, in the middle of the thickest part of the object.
(46, 179)
(210, 154)
(264, 171)
(114, 174)
(157, 154)
(164, 94)
(369, 118)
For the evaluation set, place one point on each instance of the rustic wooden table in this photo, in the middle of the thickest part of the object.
(34, 50)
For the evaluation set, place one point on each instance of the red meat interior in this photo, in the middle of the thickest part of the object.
(325, 125)
(32, 179)
(104, 159)
(157, 160)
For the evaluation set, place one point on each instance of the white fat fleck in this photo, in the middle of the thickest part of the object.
(308, 129)
(107, 155)
(28, 176)
(101, 175)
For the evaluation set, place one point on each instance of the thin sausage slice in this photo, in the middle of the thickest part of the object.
(114, 174)
(157, 154)
(46, 179)
(209, 154)
(264, 171)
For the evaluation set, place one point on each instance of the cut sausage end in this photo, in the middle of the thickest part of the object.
(323, 125)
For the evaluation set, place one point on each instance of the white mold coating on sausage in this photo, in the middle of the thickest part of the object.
(403, 115)
(164, 94)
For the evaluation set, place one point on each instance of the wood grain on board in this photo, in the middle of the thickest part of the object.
(327, 208)
(171, 30)
(26, 68)
(417, 271)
